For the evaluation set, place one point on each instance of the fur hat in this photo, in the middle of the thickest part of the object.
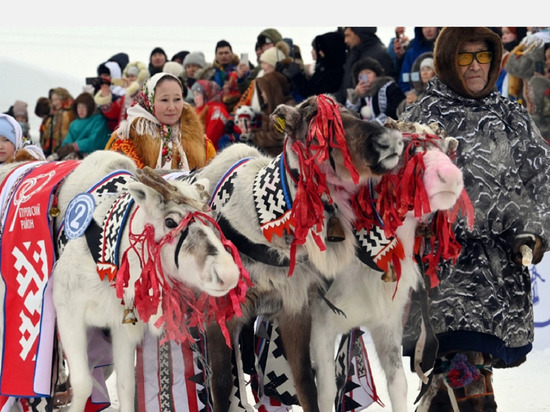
(173, 68)
(138, 69)
(449, 41)
(84, 98)
(195, 58)
(132, 71)
(272, 56)
(268, 36)
(367, 63)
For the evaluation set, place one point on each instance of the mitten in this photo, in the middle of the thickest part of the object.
(65, 150)
(533, 242)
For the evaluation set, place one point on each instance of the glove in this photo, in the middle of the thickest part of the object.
(65, 150)
(533, 242)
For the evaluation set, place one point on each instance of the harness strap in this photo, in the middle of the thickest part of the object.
(255, 251)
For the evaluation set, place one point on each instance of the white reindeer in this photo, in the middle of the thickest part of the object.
(284, 215)
(169, 251)
(364, 299)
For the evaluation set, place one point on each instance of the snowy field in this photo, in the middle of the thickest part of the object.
(521, 389)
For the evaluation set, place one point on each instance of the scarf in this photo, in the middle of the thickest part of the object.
(142, 118)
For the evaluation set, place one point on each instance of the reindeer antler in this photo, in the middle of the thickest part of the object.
(149, 177)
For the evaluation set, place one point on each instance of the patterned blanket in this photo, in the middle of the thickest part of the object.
(27, 258)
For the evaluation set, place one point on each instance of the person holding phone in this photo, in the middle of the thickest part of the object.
(374, 95)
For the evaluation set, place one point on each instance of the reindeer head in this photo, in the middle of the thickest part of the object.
(348, 149)
(193, 252)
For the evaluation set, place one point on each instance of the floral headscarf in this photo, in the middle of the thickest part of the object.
(211, 91)
(142, 118)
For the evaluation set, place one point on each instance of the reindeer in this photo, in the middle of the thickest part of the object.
(291, 220)
(365, 298)
(171, 254)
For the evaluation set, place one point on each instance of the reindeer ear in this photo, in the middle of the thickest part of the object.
(145, 196)
(202, 186)
(391, 124)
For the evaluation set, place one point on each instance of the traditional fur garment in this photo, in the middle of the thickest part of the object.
(141, 136)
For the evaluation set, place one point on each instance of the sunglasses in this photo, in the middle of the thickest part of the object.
(482, 57)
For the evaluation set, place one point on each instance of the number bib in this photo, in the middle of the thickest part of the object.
(79, 215)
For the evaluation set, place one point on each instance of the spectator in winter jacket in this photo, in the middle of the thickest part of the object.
(480, 306)
(422, 72)
(273, 89)
(13, 146)
(424, 40)
(373, 95)
(210, 109)
(329, 53)
(88, 132)
(56, 126)
(363, 42)
(156, 60)
(114, 106)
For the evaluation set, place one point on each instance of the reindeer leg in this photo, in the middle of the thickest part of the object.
(387, 342)
(74, 338)
(295, 331)
(124, 351)
(219, 355)
(323, 338)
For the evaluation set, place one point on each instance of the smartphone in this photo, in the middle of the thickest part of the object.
(244, 58)
(364, 78)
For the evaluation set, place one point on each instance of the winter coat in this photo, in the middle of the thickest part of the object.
(329, 70)
(56, 128)
(144, 148)
(484, 300)
(90, 134)
(267, 137)
(418, 86)
(416, 47)
(370, 45)
(381, 101)
(214, 116)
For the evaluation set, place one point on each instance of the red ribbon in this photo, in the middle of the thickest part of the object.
(153, 288)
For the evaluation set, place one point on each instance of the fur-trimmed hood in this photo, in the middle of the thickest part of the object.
(449, 41)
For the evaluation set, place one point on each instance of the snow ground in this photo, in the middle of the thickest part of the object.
(517, 389)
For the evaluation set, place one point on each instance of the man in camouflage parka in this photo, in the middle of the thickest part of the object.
(482, 312)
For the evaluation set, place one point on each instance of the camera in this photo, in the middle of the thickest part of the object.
(96, 82)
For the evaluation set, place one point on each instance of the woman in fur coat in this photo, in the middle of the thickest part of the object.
(482, 309)
(164, 132)
(56, 126)
(161, 130)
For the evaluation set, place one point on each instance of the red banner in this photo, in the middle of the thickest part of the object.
(27, 258)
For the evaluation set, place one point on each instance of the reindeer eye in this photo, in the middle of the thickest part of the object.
(170, 223)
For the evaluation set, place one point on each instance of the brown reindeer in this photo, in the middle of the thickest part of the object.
(290, 218)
